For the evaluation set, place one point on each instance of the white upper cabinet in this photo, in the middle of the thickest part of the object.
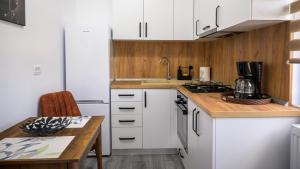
(183, 19)
(205, 16)
(245, 15)
(233, 12)
(128, 19)
(158, 19)
(153, 19)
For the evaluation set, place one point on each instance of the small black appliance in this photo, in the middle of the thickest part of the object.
(248, 85)
(184, 73)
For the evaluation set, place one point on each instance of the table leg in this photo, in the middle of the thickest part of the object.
(74, 165)
(98, 149)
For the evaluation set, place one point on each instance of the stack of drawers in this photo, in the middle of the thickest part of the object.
(127, 118)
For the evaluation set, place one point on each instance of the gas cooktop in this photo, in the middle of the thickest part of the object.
(208, 87)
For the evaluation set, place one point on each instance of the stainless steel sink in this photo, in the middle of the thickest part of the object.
(164, 82)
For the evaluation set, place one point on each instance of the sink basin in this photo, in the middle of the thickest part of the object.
(164, 82)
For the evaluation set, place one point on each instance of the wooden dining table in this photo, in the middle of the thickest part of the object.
(72, 157)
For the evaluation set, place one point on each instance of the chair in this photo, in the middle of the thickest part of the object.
(59, 104)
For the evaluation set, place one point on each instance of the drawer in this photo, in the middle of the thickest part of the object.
(127, 120)
(126, 95)
(123, 108)
(127, 138)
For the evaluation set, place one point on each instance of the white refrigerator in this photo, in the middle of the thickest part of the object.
(87, 74)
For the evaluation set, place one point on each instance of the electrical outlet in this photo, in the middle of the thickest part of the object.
(37, 70)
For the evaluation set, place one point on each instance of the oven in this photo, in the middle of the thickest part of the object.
(182, 119)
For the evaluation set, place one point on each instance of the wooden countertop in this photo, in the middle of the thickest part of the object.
(214, 106)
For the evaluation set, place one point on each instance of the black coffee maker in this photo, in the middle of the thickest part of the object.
(248, 85)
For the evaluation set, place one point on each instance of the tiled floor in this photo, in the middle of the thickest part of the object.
(137, 162)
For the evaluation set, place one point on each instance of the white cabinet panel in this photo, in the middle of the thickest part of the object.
(295, 147)
(233, 12)
(208, 14)
(157, 119)
(183, 19)
(200, 138)
(158, 19)
(127, 19)
(253, 143)
(270, 9)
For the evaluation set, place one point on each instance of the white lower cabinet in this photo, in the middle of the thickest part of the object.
(200, 138)
(243, 143)
(295, 147)
(157, 131)
(143, 118)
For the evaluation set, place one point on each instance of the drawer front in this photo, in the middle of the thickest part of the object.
(125, 108)
(127, 121)
(127, 138)
(126, 95)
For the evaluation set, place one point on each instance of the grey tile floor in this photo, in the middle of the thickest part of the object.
(137, 162)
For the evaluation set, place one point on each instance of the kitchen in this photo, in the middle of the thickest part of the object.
(164, 79)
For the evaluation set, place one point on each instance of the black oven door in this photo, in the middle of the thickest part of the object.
(182, 125)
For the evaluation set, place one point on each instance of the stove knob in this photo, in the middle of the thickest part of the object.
(183, 102)
(178, 96)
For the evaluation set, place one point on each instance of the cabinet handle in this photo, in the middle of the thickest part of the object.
(126, 108)
(206, 27)
(198, 112)
(145, 99)
(193, 127)
(140, 29)
(126, 121)
(197, 27)
(126, 95)
(217, 16)
(126, 138)
(146, 29)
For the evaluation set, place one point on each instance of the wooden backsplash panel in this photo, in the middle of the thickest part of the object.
(133, 59)
(269, 45)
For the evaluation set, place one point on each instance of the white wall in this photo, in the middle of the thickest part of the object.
(39, 42)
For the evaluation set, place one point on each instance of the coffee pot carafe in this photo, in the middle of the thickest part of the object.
(248, 85)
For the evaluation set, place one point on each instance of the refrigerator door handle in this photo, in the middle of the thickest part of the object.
(90, 102)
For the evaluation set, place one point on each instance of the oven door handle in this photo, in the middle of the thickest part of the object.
(193, 124)
(182, 108)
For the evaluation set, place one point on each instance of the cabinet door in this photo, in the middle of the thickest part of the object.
(192, 137)
(183, 19)
(197, 15)
(200, 138)
(204, 146)
(295, 148)
(128, 19)
(233, 12)
(208, 15)
(158, 19)
(157, 119)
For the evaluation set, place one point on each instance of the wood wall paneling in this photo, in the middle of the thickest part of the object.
(140, 59)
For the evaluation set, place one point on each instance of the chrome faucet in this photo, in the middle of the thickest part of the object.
(165, 60)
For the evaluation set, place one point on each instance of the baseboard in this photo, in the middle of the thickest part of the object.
(144, 151)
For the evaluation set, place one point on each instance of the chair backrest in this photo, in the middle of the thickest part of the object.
(59, 104)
